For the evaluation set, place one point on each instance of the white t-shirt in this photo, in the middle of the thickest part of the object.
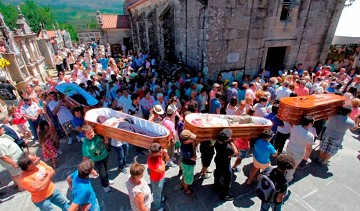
(63, 114)
(299, 138)
(286, 129)
(134, 190)
(113, 123)
(282, 92)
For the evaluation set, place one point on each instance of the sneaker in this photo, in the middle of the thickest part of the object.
(78, 139)
(205, 176)
(60, 152)
(127, 165)
(229, 198)
(111, 182)
(107, 189)
(171, 164)
(236, 169)
(70, 141)
(163, 198)
(123, 170)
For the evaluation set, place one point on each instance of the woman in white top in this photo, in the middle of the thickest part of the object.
(71, 60)
(138, 189)
(232, 106)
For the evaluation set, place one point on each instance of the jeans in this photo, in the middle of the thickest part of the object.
(122, 152)
(56, 198)
(101, 167)
(266, 206)
(157, 188)
(33, 126)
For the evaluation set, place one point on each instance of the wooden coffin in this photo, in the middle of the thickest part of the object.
(75, 96)
(245, 126)
(320, 106)
(136, 139)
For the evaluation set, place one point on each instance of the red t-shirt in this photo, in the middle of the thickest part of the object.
(153, 164)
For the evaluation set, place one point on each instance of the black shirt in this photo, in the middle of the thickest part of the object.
(279, 180)
(223, 153)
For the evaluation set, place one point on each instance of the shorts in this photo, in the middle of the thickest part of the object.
(243, 153)
(330, 145)
(260, 165)
(188, 173)
(14, 171)
(23, 128)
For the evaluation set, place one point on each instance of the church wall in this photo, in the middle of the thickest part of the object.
(236, 34)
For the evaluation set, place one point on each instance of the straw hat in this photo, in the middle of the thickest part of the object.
(158, 109)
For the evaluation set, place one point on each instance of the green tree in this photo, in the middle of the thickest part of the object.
(10, 14)
(71, 29)
(35, 14)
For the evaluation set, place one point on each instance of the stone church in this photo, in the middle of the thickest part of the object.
(233, 35)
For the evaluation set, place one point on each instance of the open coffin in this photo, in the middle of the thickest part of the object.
(136, 139)
(208, 126)
(77, 96)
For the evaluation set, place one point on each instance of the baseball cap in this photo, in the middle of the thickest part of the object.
(225, 134)
(155, 147)
(187, 134)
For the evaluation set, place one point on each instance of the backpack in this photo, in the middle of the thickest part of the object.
(265, 189)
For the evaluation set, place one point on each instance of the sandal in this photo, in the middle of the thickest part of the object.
(189, 192)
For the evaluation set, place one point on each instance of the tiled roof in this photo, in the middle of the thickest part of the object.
(49, 33)
(115, 21)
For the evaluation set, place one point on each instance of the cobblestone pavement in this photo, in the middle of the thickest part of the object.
(316, 188)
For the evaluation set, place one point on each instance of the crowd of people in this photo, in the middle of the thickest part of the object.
(134, 84)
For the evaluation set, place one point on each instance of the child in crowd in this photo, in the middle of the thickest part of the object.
(243, 145)
(46, 138)
(19, 120)
(78, 122)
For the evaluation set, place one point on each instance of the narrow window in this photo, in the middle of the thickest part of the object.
(285, 10)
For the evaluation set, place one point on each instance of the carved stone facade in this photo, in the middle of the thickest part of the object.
(46, 48)
(26, 40)
(222, 35)
(23, 52)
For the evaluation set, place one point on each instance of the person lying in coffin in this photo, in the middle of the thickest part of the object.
(125, 124)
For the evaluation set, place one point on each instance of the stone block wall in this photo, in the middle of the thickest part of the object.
(236, 34)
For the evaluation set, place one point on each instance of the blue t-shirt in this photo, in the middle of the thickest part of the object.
(275, 120)
(104, 63)
(215, 104)
(82, 192)
(241, 95)
(263, 150)
(78, 122)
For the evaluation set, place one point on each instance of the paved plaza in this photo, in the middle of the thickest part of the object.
(336, 187)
